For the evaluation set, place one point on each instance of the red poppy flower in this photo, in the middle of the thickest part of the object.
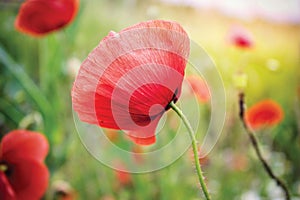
(124, 178)
(240, 37)
(23, 175)
(199, 87)
(129, 79)
(40, 17)
(264, 113)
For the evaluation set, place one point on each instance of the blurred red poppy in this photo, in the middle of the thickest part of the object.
(40, 17)
(23, 175)
(264, 113)
(199, 87)
(240, 37)
(129, 79)
(124, 178)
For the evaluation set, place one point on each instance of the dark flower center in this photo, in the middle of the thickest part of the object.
(174, 99)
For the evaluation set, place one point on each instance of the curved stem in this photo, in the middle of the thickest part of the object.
(255, 145)
(195, 149)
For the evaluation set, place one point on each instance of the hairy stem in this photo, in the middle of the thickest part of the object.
(195, 149)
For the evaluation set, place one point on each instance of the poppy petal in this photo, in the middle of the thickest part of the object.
(135, 95)
(6, 191)
(145, 135)
(39, 17)
(29, 179)
(23, 144)
(264, 113)
(132, 76)
(143, 141)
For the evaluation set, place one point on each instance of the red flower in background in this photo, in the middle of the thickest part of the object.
(122, 176)
(199, 87)
(23, 175)
(129, 79)
(40, 17)
(240, 37)
(264, 113)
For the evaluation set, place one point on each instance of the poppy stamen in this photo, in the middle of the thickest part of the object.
(174, 100)
(3, 167)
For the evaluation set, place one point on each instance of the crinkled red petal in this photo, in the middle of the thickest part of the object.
(132, 76)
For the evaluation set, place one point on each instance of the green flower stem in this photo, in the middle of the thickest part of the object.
(195, 149)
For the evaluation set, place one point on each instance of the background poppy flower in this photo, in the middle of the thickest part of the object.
(23, 175)
(264, 113)
(240, 37)
(124, 178)
(129, 79)
(199, 87)
(40, 17)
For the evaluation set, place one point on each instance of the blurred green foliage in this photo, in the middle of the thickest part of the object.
(36, 80)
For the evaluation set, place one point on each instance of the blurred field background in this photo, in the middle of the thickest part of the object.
(36, 77)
